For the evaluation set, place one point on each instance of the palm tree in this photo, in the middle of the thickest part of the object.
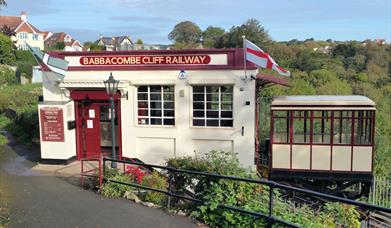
(3, 3)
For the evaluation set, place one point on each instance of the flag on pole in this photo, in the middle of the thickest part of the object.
(260, 58)
(57, 65)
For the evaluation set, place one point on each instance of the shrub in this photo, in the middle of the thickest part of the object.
(157, 181)
(7, 76)
(111, 189)
(247, 196)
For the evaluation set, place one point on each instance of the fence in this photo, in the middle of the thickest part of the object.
(271, 184)
(381, 192)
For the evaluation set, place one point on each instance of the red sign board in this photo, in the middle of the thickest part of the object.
(145, 60)
(52, 124)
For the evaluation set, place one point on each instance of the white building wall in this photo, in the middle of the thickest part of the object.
(21, 43)
(142, 141)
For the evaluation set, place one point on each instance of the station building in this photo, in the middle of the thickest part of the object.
(169, 103)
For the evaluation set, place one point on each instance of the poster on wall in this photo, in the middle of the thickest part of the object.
(52, 124)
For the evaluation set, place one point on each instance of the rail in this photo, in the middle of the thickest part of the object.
(271, 184)
(87, 173)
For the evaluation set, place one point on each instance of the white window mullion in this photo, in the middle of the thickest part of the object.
(219, 115)
(205, 106)
(162, 104)
(149, 105)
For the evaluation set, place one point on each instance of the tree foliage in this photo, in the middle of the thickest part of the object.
(186, 32)
(7, 55)
(252, 29)
(212, 36)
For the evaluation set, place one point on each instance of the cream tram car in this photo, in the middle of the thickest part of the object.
(325, 141)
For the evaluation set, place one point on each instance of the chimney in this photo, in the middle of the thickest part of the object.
(23, 16)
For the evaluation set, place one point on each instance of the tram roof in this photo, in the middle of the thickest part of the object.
(310, 101)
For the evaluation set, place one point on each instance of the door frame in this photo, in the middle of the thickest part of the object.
(95, 96)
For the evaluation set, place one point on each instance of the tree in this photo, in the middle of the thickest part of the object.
(335, 87)
(93, 46)
(139, 41)
(59, 46)
(186, 32)
(6, 30)
(7, 76)
(212, 36)
(252, 29)
(3, 3)
(7, 48)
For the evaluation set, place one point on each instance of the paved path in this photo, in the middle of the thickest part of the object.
(46, 199)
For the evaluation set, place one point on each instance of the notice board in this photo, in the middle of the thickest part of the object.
(52, 124)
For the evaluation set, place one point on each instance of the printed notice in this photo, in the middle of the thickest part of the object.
(90, 124)
(52, 124)
(92, 113)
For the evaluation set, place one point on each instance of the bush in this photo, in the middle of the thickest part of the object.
(111, 189)
(157, 181)
(7, 76)
(247, 196)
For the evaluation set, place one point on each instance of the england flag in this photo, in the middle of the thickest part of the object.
(260, 58)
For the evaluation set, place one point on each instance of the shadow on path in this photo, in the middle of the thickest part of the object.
(37, 199)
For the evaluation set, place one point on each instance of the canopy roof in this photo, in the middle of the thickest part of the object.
(266, 79)
(322, 101)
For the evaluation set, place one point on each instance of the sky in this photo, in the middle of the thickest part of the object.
(152, 20)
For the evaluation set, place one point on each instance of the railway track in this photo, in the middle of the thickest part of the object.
(376, 220)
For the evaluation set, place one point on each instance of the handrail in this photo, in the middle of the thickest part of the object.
(271, 184)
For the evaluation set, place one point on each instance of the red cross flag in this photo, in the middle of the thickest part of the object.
(260, 58)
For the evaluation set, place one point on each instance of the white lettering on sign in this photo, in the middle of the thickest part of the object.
(147, 60)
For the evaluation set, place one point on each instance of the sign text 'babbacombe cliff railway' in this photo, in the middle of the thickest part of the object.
(145, 60)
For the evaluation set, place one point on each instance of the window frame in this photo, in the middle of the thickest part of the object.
(205, 109)
(23, 35)
(352, 118)
(149, 117)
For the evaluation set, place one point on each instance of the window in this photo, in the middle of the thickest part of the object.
(363, 121)
(67, 39)
(155, 105)
(35, 36)
(281, 126)
(342, 127)
(22, 47)
(321, 127)
(301, 126)
(23, 35)
(212, 106)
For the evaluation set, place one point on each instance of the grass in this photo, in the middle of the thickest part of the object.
(4, 121)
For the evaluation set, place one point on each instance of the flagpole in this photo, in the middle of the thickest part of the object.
(244, 57)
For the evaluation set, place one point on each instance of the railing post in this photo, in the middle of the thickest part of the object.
(100, 173)
(270, 222)
(170, 179)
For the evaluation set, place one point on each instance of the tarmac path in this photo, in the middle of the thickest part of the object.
(45, 199)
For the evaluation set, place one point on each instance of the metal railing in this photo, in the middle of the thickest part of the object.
(269, 217)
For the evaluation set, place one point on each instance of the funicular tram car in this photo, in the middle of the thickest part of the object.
(325, 143)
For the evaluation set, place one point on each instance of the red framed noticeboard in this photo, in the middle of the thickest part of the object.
(52, 124)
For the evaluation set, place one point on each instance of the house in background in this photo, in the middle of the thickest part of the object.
(116, 43)
(70, 44)
(151, 47)
(25, 32)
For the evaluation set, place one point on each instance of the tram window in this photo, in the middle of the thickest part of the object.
(281, 130)
(301, 127)
(321, 127)
(363, 128)
(342, 127)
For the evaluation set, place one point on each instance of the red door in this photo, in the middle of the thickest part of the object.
(93, 128)
(89, 129)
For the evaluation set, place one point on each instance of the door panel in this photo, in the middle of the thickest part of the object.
(90, 130)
